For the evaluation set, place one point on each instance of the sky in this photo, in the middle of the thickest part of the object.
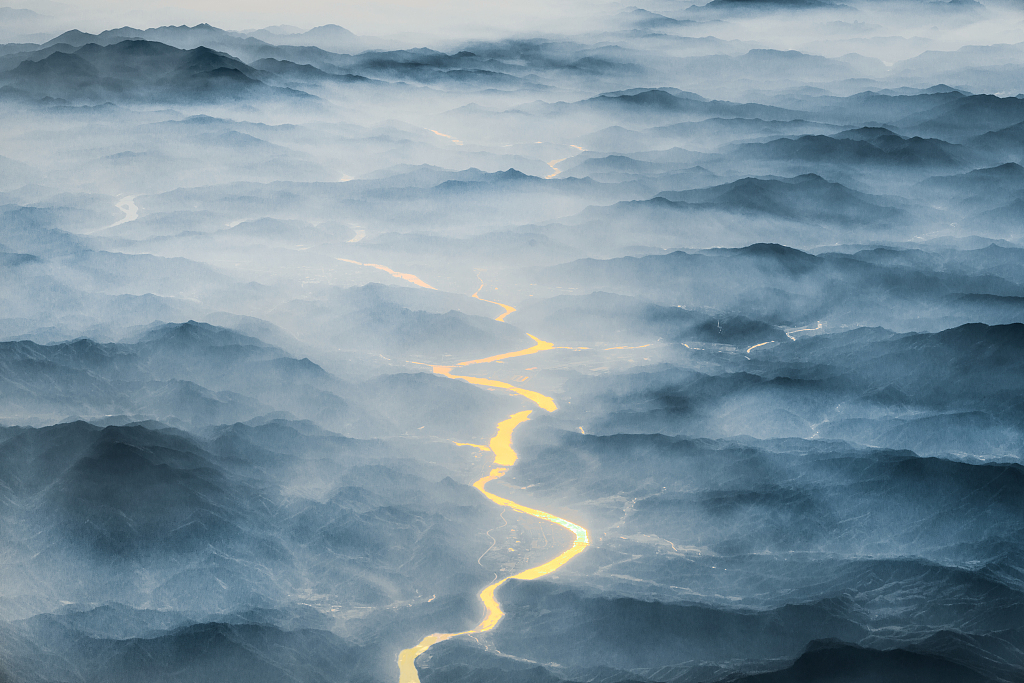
(388, 17)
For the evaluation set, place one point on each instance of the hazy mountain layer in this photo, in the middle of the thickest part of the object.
(673, 344)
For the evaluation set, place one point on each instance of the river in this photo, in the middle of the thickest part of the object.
(504, 458)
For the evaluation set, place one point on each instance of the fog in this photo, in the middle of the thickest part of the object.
(326, 329)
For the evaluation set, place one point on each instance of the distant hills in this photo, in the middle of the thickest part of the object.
(774, 248)
(330, 37)
(864, 147)
(804, 198)
(139, 70)
(664, 101)
(782, 285)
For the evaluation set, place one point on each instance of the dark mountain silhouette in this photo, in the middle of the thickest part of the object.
(804, 198)
(968, 117)
(627, 633)
(828, 661)
(303, 73)
(140, 70)
(670, 100)
(881, 105)
(870, 148)
(182, 37)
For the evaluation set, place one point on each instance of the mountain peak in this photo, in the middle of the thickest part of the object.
(196, 333)
(774, 250)
(329, 30)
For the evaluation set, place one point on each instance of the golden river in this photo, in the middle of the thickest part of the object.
(504, 458)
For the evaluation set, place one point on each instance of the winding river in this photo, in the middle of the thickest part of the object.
(504, 458)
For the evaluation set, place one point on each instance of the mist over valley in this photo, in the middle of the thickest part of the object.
(601, 343)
